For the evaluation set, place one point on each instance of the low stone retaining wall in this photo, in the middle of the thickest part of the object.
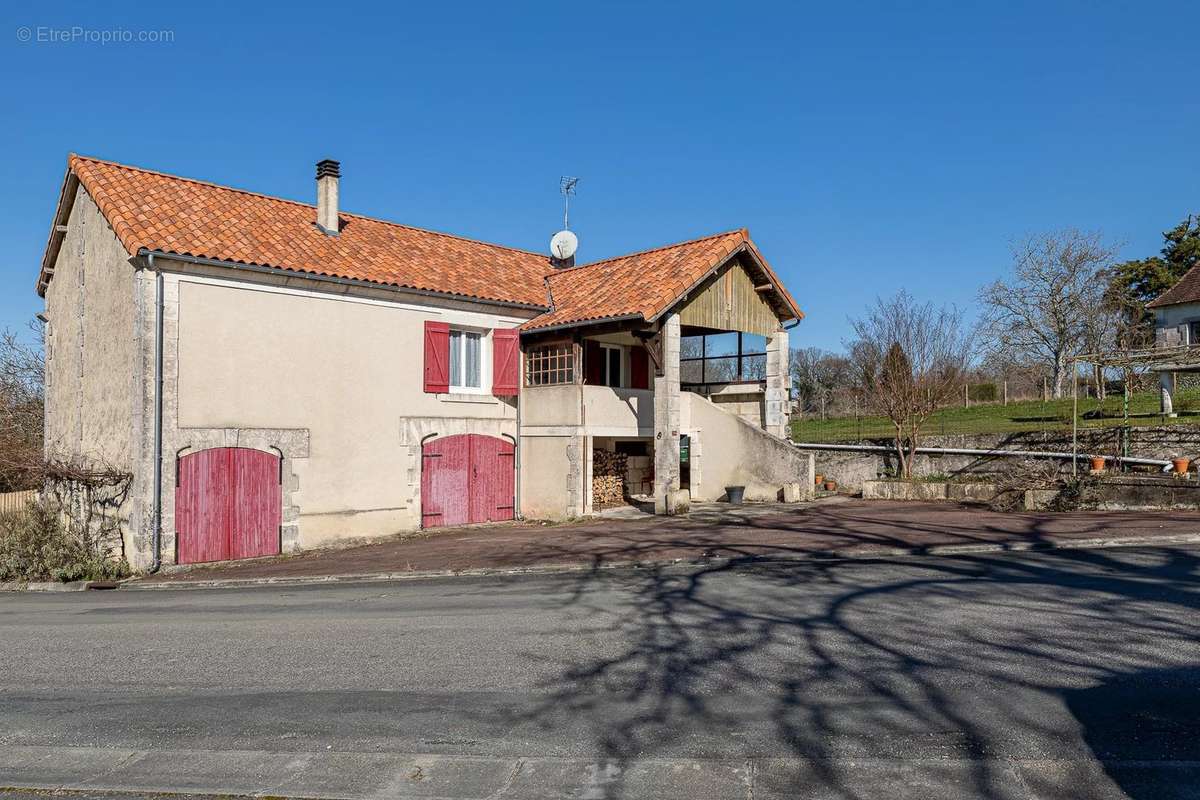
(1127, 493)
(928, 490)
(853, 469)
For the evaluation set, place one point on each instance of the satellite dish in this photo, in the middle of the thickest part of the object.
(563, 245)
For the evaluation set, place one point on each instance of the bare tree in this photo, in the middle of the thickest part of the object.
(22, 372)
(1051, 307)
(823, 381)
(910, 358)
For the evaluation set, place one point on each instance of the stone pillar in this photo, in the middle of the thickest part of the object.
(776, 417)
(667, 497)
(1165, 388)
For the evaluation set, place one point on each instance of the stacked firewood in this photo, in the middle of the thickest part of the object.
(608, 478)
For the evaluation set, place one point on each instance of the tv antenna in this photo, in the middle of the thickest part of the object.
(566, 185)
(564, 243)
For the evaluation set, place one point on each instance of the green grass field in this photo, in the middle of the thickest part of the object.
(1016, 417)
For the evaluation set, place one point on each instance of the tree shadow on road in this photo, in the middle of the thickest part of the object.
(955, 676)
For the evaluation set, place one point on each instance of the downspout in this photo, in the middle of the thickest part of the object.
(517, 440)
(156, 541)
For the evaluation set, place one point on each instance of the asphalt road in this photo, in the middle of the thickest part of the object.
(1073, 674)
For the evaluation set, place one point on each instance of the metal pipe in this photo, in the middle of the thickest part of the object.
(279, 271)
(968, 451)
(156, 537)
(1074, 418)
(517, 453)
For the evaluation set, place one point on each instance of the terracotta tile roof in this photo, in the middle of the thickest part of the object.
(178, 215)
(644, 284)
(154, 211)
(1186, 291)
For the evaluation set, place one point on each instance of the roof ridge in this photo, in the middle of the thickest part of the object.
(743, 231)
(211, 184)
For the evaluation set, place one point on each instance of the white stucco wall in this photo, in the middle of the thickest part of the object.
(1171, 323)
(347, 371)
(729, 451)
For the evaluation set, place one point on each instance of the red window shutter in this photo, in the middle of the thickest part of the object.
(639, 368)
(506, 362)
(593, 363)
(437, 356)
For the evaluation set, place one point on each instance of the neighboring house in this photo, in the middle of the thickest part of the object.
(277, 376)
(1177, 324)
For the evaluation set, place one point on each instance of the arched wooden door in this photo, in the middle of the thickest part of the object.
(228, 505)
(466, 478)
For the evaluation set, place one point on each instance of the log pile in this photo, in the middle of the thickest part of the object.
(608, 478)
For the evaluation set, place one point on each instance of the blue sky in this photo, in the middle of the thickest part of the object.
(867, 147)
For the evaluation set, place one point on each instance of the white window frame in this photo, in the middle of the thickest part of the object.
(604, 348)
(485, 360)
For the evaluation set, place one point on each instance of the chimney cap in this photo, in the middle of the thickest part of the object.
(328, 168)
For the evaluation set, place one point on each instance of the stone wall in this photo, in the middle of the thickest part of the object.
(850, 469)
(92, 371)
(90, 343)
(639, 475)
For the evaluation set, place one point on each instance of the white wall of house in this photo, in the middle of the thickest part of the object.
(1172, 324)
(347, 371)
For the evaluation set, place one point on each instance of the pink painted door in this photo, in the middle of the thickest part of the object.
(467, 478)
(445, 469)
(492, 469)
(256, 503)
(228, 504)
(202, 507)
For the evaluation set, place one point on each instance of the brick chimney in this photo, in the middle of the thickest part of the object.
(328, 172)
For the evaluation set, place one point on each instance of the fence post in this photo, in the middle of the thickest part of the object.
(1005, 392)
(966, 395)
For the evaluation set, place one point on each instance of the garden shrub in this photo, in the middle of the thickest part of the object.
(36, 545)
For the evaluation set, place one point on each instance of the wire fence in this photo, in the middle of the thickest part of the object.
(974, 416)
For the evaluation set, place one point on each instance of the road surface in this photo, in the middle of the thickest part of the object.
(1073, 674)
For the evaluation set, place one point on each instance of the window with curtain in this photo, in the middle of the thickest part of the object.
(465, 362)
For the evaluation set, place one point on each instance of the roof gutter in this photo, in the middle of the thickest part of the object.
(580, 323)
(291, 273)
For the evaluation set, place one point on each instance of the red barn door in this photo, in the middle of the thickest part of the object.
(445, 467)
(202, 507)
(228, 504)
(467, 478)
(256, 501)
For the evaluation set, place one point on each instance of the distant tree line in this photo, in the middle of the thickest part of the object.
(1064, 296)
(21, 410)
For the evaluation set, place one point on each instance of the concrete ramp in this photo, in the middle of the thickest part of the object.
(726, 450)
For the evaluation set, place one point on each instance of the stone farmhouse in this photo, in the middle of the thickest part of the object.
(276, 376)
(1177, 324)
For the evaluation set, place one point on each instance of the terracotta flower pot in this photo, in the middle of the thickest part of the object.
(831, 486)
(1097, 463)
(1181, 465)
